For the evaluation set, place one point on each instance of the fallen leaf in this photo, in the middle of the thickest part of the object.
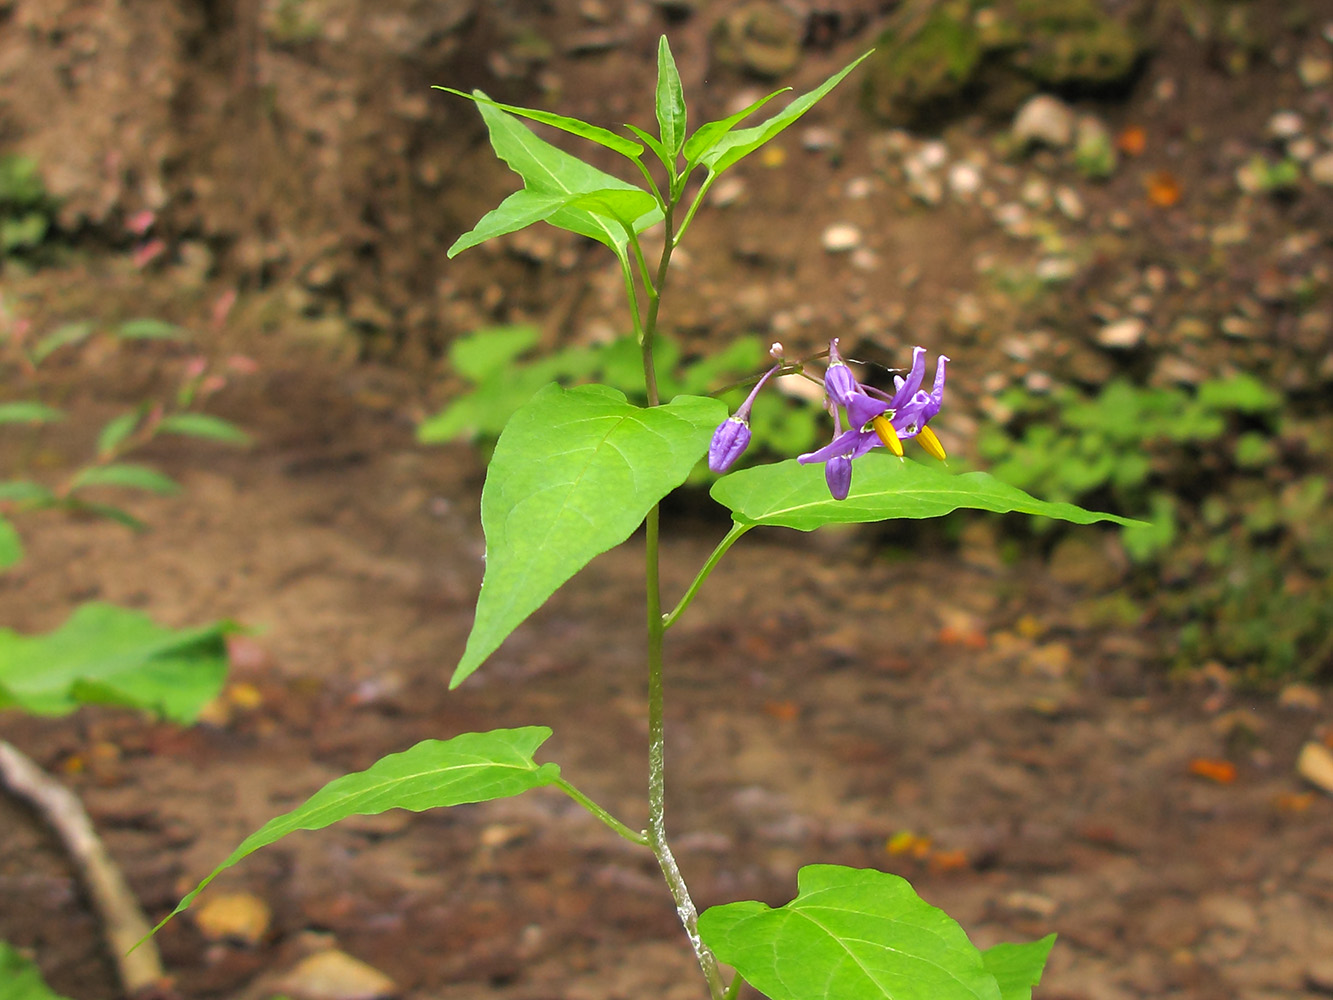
(783, 711)
(1163, 188)
(1294, 802)
(1132, 140)
(948, 861)
(1221, 771)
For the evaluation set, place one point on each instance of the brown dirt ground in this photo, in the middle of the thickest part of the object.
(826, 692)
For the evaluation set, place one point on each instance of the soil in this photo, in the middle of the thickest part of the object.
(927, 704)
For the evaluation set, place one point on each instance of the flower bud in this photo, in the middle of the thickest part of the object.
(729, 442)
(838, 475)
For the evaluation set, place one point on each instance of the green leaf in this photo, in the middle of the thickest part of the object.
(70, 333)
(486, 352)
(11, 546)
(553, 184)
(883, 487)
(20, 979)
(655, 145)
(733, 146)
(128, 475)
(573, 474)
(109, 655)
(473, 767)
(27, 492)
(203, 425)
(106, 510)
(707, 135)
(854, 934)
(1242, 392)
(670, 100)
(29, 413)
(149, 329)
(593, 133)
(117, 430)
(1018, 967)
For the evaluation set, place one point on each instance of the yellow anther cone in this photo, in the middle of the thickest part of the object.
(885, 432)
(930, 442)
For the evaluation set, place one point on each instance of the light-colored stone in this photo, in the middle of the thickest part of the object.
(1286, 125)
(1123, 334)
(964, 180)
(841, 237)
(233, 916)
(1044, 120)
(335, 975)
(1315, 765)
(1314, 71)
(1070, 203)
(1321, 169)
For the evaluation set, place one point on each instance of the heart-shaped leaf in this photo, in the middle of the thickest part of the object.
(473, 767)
(1018, 967)
(574, 473)
(796, 496)
(854, 934)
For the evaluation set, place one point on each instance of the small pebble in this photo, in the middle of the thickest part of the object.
(1070, 204)
(1044, 120)
(1314, 71)
(1285, 125)
(1315, 765)
(964, 180)
(335, 975)
(841, 237)
(859, 188)
(1321, 169)
(1123, 334)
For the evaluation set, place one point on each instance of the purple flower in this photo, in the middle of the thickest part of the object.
(876, 418)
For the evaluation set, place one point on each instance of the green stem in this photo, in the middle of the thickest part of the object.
(657, 839)
(694, 206)
(631, 835)
(736, 983)
(737, 529)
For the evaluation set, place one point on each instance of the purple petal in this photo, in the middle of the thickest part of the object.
(844, 444)
(840, 384)
(862, 409)
(838, 475)
(913, 381)
(730, 440)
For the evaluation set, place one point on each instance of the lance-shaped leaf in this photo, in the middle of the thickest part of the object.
(706, 136)
(792, 495)
(473, 767)
(670, 100)
(733, 146)
(29, 413)
(1018, 967)
(574, 473)
(203, 425)
(854, 934)
(126, 474)
(554, 182)
(574, 126)
(109, 655)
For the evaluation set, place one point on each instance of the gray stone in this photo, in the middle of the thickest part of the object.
(1044, 120)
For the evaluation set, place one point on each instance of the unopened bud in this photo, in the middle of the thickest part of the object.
(776, 351)
(838, 475)
(729, 442)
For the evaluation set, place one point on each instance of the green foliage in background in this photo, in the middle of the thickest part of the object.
(1238, 545)
(26, 210)
(502, 372)
(20, 979)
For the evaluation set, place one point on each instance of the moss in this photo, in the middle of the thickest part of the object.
(1073, 44)
(918, 69)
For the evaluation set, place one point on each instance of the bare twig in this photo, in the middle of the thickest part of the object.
(122, 919)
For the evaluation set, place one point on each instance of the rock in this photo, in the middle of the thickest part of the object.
(1315, 765)
(335, 975)
(1032, 904)
(1044, 120)
(233, 916)
(1070, 204)
(1013, 219)
(1055, 270)
(760, 37)
(841, 237)
(1314, 71)
(1124, 334)
(729, 190)
(1285, 125)
(1321, 169)
(964, 180)
(1301, 697)
(919, 69)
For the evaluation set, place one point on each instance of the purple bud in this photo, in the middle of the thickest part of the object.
(730, 440)
(838, 475)
(840, 384)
